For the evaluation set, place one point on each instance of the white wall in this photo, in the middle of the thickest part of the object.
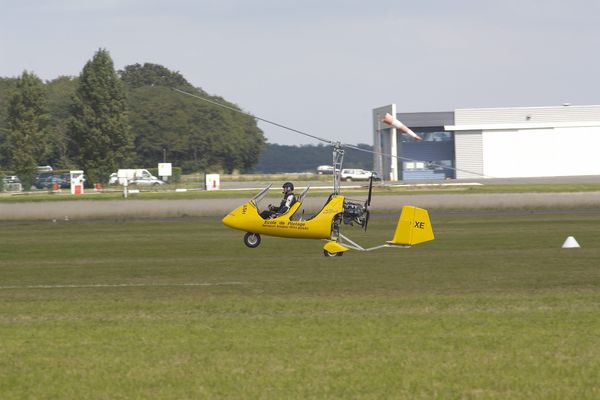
(541, 152)
(468, 147)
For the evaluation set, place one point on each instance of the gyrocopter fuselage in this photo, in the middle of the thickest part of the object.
(413, 226)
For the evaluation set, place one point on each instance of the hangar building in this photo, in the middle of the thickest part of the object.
(480, 143)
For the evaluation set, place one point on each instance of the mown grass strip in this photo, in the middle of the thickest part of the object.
(492, 309)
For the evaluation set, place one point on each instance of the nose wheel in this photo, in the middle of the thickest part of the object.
(332, 254)
(252, 240)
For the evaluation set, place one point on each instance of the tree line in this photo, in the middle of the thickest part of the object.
(104, 119)
(306, 158)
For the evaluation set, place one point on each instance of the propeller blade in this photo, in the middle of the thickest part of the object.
(368, 202)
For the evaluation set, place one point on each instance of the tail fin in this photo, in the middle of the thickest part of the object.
(413, 227)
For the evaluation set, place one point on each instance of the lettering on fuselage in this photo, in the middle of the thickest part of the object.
(293, 225)
(419, 224)
(270, 224)
(244, 209)
(297, 225)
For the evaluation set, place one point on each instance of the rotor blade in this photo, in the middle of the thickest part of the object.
(367, 220)
(331, 142)
(253, 116)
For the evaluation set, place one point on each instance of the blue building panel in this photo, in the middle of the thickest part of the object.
(434, 157)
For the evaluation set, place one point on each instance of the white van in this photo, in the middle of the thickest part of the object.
(129, 175)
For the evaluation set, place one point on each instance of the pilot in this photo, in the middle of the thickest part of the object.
(288, 199)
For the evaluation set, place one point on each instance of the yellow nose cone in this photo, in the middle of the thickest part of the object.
(229, 220)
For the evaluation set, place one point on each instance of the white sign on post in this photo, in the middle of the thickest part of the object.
(213, 182)
(165, 169)
(77, 180)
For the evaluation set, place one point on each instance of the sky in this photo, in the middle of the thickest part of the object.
(321, 66)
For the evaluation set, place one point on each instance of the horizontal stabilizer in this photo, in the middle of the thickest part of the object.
(413, 227)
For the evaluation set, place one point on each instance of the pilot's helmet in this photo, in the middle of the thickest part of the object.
(288, 186)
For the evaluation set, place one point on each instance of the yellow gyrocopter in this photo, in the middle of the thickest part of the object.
(413, 226)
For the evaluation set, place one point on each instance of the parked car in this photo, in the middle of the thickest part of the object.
(11, 183)
(48, 181)
(63, 180)
(152, 181)
(11, 179)
(324, 169)
(113, 179)
(43, 180)
(355, 174)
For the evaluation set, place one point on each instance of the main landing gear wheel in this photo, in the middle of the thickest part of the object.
(330, 254)
(252, 240)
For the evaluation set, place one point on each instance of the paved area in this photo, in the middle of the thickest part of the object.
(130, 208)
(494, 181)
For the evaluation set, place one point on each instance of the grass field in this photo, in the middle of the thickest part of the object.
(176, 309)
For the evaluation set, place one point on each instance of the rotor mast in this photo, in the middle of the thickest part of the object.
(338, 158)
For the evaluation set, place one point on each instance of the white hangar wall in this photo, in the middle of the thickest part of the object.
(468, 147)
(527, 142)
(524, 153)
(502, 142)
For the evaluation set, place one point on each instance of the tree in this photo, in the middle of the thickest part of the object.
(136, 75)
(99, 132)
(96, 119)
(285, 158)
(195, 135)
(7, 87)
(60, 94)
(27, 119)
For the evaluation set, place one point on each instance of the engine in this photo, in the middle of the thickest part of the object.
(354, 212)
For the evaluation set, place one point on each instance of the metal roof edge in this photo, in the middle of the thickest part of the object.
(542, 125)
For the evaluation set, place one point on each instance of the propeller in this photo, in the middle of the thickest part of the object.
(368, 203)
